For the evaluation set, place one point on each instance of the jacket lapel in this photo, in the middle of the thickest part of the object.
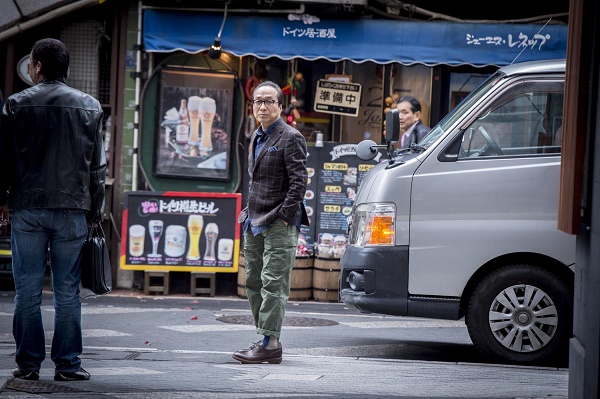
(251, 153)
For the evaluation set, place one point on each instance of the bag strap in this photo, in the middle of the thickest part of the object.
(95, 230)
(97, 217)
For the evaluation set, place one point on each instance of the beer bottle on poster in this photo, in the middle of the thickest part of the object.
(183, 125)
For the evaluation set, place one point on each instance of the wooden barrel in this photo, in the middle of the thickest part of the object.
(302, 280)
(241, 277)
(326, 273)
(300, 284)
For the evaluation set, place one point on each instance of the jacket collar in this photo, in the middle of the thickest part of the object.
(56, 80)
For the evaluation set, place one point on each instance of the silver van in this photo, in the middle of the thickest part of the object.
(464, 224)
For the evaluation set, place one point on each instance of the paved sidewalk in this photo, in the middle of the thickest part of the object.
(134, 373)
(123, 367)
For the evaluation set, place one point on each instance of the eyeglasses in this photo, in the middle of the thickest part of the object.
(268, 103)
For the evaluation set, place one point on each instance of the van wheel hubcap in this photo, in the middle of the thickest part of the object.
(523, 318)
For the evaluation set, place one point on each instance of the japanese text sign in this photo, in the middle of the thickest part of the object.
(337, 98)
(181, 232)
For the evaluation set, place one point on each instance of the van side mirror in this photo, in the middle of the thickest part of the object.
(366, 150)
(392, 125)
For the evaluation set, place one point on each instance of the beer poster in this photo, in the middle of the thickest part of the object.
(180, 231)
(195, 124)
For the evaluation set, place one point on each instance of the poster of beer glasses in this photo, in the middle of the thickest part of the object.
(181, 231)
(195, 124)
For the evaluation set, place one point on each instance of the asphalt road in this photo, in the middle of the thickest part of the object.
(148, 347)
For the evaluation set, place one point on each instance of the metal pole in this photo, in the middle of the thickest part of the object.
(136, 118)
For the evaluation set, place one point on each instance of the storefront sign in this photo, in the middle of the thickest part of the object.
(337, 98)
(411, 42)
(181, 232)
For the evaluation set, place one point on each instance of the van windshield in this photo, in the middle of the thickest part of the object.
(473, 97)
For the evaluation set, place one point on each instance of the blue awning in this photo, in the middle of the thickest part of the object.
(380, 41)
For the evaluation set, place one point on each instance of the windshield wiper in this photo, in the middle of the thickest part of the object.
(417, 148)
(413, 148)
(401, 151)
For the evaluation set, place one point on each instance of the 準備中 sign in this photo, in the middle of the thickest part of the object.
(337, 98)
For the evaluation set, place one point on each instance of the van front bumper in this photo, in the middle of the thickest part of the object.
(375, 280)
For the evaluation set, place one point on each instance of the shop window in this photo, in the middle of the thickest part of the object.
(89, 49)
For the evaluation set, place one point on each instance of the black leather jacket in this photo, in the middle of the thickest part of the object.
(51, 149)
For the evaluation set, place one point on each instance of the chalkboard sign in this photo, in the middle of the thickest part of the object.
(181, 231)
(338, 175)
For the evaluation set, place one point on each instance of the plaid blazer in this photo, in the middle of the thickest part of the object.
(278, 178)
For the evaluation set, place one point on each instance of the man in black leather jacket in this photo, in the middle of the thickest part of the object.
(52, 175)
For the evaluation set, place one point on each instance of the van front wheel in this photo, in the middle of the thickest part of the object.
(520, 313)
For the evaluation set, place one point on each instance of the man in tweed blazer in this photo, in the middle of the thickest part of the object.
(271, 220)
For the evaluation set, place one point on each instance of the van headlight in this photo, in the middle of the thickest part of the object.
(373, 224)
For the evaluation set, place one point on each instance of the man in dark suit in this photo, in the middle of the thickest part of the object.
(413, 129)
(271, 220)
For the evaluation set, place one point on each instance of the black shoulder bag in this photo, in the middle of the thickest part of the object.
(96, 274)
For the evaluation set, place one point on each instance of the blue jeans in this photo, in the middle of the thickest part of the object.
(33, 232)
(269, 259)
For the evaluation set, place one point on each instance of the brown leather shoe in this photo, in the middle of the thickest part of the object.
(254, 345)
(259, 354)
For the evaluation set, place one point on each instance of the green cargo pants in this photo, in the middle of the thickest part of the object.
(269, 259)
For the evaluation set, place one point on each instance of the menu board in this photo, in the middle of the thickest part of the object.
(338, 175)
(181, 231)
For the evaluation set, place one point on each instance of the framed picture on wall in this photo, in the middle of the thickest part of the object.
(195, 124)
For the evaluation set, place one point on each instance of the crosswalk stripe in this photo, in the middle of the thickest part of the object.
(98, 371)
(87, 333)
(124, 310)
(220, 327)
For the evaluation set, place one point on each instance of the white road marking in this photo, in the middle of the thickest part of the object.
(292, 377)
(219, 328)
(98, 333)
(122, 371)
(209, 328)
(122, 310)
(97, 371)
(92, 333)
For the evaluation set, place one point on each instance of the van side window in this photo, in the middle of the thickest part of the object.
(526, 120)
